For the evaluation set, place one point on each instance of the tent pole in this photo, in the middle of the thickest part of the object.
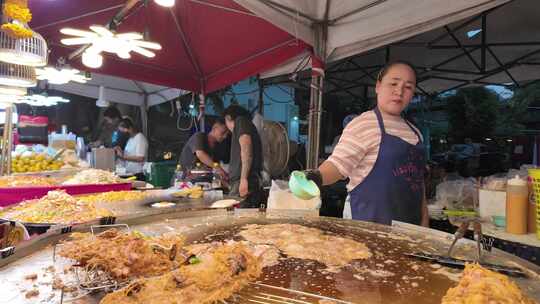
(144, 115)
(7, 142)
(315, 104)
(202, 105)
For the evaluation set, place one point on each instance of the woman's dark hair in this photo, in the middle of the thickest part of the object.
(112, 112)
(390, 64)
(235, 111)
(127, 123)
(219, 120)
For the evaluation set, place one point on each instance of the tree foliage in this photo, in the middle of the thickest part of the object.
(515, 112)
(472, 112)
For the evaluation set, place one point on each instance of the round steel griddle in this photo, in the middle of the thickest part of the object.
(387, 277)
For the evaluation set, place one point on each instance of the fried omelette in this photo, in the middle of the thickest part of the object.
(482, 286)
(307, 243)
(216, 275)
(125, 255)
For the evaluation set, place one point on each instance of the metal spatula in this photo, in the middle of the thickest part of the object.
(459, 263)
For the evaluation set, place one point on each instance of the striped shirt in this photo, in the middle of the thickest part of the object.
(358, 147)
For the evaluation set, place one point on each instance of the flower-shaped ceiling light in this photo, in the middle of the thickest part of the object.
(102, 39)
(60, 76)
(41, 100)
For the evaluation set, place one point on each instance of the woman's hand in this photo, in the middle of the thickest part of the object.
(119, 152)
(224, 176)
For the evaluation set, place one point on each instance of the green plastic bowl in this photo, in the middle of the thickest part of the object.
(499, 220)
(301, 187)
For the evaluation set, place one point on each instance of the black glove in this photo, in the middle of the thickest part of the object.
(315, 176)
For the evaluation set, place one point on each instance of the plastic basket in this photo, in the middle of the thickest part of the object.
(534, 175)
(161, 174)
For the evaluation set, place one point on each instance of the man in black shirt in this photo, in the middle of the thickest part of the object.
(200, 147)
(246, 156)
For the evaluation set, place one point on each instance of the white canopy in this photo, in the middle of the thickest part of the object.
(339, 29)
(121, 90)
(356, 26)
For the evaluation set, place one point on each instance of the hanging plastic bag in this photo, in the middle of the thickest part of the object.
(458, 194)
(281, 197)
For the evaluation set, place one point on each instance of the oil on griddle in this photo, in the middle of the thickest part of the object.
(386, 277)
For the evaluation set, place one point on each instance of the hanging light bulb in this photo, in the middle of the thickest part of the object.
(91, 59)
(165, 3)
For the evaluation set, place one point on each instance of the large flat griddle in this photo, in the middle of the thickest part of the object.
(388, 277)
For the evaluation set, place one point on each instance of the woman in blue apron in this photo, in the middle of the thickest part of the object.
(394, 187)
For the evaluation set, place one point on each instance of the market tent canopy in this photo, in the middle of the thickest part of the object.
(206, 44)
(485, 49)
(121, 90)
(340, 29)
(356, 26)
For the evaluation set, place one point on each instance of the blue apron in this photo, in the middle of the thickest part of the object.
(394, 189)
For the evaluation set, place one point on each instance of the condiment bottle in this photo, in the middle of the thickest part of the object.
(517, 201)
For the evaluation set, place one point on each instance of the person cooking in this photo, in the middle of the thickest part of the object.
(136, 150)
(200, 148)
(246, 156)
(109, 135)
(382, 154)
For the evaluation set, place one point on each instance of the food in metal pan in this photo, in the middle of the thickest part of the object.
(213, 276)
(479, 285)
(193, 192)
(115, 196)
(124, 255)
(57, 207)
(26, 181)
(94, 177)
(307, 243)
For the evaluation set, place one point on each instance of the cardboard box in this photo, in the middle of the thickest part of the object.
(103, 158)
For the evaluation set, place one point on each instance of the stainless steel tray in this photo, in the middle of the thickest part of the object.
(388, 277)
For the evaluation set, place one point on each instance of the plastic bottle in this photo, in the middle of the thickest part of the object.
(178, 176)
(517, 201)
(216, 178)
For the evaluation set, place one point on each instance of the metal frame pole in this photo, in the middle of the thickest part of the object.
(202, 105)
(316, 95)
(144, 116)
(7, 142)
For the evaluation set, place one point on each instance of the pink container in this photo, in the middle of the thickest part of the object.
(9, 196)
